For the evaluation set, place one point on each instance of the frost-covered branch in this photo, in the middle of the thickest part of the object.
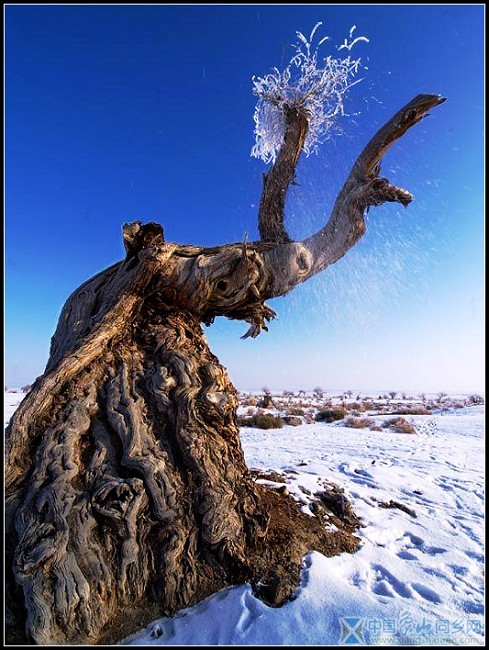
(313, 85)
(296, 111)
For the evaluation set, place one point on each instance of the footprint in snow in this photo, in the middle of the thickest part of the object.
(418, 543)
(434, 550)
(406, 555)
(383, 588)
(435, 572)
(250, 613)
(459, 570)
(414, 539)
(388, 585)
(426, 593)
(471, 607)
(475, 556)
(362, 472)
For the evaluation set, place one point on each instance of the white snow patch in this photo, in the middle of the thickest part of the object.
(12, 399)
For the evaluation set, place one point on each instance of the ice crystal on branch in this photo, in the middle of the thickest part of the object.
(317, 86)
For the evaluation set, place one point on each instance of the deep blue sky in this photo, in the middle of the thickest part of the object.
(117, 113)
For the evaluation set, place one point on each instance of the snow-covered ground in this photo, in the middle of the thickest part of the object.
(416, 580)
(11, 402)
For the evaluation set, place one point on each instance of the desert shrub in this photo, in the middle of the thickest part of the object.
(458, 405)
(399, 425)
(375, 427)
(359, 407)
(292, 420)
(266, 402)
(249, 401)
(261, 421)
(357, 423)
(318, 392)
(295, 411)
(330, 415)
(268, 421)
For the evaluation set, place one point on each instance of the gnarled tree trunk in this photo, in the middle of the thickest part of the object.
(127, 493)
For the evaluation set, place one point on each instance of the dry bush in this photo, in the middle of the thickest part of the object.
(266, 402)
(261, 421)
(399, 425)
(415, 410)
(295, 411)
(249, 401)
(357, 423)
(330, 415)
(318, 392)
(359, 407)
(458, 405)
(375, 427)
(292, 420)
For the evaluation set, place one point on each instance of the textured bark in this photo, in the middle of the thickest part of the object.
(127, 493)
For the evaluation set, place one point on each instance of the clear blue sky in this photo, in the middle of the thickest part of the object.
(121, 113)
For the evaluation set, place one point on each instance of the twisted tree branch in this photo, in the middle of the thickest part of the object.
(292, 263)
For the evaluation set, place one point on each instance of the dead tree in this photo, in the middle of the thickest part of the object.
(127, 493)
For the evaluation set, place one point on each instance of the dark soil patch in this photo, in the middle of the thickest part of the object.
(335, 508)
(291, 534)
